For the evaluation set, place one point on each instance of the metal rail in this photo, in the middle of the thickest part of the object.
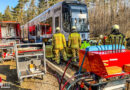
(22, 66)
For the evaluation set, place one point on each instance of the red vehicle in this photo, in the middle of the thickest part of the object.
(109, 68)
(10, 34)
(10, 30)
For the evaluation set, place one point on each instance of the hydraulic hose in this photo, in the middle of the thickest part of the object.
(122, 44)
(65, 71)
(78, 75)
(111, 43)
(119, 44)
(82, 78)
(115, 43)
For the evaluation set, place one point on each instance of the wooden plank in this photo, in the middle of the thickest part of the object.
(58, 70)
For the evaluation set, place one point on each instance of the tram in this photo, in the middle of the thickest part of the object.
(64, 14)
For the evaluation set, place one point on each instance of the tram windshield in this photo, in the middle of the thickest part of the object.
(79, 17)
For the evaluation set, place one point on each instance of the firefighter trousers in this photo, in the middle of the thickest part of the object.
(75, 53)
(57, 55)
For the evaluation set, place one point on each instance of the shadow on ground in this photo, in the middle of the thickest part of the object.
(10, 76)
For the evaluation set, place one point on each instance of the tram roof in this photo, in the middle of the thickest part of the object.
(46, 11)
(59, 3)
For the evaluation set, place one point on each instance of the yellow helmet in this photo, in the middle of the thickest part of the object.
(115, 27)
(57, 28)
(74, 28)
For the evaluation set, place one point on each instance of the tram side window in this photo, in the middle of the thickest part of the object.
(46, 26)
(66, 19)
(57, 22)
(32, 33)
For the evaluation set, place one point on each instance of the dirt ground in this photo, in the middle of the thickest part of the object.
(8, 74)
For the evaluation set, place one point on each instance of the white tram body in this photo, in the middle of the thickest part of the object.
(64, 15)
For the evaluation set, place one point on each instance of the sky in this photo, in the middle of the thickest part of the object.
(5, 3)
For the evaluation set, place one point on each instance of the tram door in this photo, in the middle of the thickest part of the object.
(57, 20)
(4, 31)
(38, 33)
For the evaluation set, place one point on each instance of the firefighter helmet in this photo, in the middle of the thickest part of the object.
(58, 29)
(115, 27)
(73, 28)
(101, 36)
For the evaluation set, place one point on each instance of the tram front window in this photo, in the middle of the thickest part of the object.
(79, 17)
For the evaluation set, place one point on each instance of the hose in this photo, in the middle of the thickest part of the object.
(122, 44)
(68, 65)
(119, 44)
(111, 43)
(65, 71)
(74, 76)
(115, 43)
(82, 78)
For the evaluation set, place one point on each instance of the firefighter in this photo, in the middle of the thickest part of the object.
(85, 44)
(127, 43)
(100, 41)
(74, 42)
(59, 45)
(115, 36)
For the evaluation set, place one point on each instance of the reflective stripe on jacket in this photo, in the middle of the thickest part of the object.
(58, 41)
(74, 40)
(116, 39)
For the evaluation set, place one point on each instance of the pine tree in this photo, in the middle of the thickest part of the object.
(18, 11)
(32, 10)
(7, 14)
(41, 6)
(1, 16)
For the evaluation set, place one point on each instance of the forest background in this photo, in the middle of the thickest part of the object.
(102, 14)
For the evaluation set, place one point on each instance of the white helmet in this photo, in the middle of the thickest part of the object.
(74, 28)
(101, 36)
(57, 28)
(115, 27)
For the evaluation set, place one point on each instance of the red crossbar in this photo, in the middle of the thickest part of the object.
(30, 51)
(6, 45)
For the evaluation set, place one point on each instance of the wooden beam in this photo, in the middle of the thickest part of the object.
(58, 70)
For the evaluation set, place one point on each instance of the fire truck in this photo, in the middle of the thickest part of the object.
(10, 34)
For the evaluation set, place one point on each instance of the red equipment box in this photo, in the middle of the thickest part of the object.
(98, 62)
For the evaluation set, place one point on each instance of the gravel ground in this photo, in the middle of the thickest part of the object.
(8, 74)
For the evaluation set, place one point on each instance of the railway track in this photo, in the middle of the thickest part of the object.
(59, 69)
(72, 69)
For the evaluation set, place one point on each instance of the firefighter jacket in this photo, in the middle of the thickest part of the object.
(74, 40)
(116, 39)
(58, 41)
